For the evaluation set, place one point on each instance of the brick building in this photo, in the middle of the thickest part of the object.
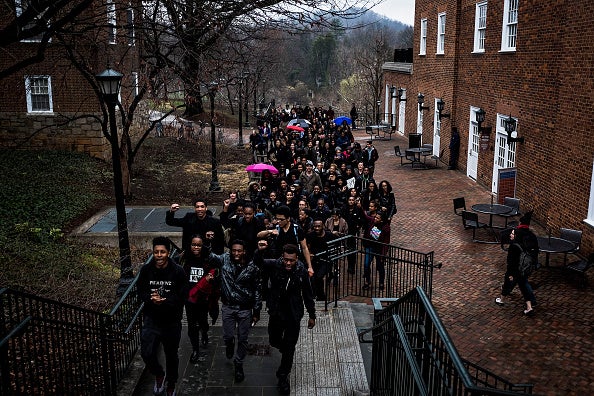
(526, 59)
(50, 104)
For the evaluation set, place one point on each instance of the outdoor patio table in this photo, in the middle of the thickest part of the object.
(378, 130)
(492, 209)
(548, 245)
(417, 151)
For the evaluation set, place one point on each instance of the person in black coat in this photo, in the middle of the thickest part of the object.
(200, 223)
(290, 290)
(521, 239)
(386, 199)
(162, 287)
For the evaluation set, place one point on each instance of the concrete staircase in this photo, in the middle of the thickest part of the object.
(328, 360)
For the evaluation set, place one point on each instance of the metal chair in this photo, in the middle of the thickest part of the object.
(399, 153)
(574, 236)
(459, 203)
(580, 268)
(470, 221)
(514, 203)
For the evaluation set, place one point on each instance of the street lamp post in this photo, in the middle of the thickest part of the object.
(247, 120)
(214, 179)
(240, 118)
(110, 83)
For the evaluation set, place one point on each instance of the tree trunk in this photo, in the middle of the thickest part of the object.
(193, 100)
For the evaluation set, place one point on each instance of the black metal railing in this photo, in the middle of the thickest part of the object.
(414, 355)
(404, 270)
(48, 347)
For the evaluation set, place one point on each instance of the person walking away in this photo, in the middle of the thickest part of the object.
(290, 290)
(199, 222)
(354, 116)
(376, 241)
(521, 240)
(242, 302)
(202, 271)
(162, 287)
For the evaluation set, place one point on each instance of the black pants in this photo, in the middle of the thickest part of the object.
(197, 315)
(151, 336)
(283, 335)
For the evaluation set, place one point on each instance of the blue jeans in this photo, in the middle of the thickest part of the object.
(370, 253)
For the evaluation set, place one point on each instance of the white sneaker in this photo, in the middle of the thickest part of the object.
(159, 387)
(499, 301)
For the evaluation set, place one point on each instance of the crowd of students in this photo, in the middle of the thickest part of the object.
(267, 244)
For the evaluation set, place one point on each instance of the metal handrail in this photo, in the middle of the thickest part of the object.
(441, 366)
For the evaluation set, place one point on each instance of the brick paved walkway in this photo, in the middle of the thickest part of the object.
(554, 349)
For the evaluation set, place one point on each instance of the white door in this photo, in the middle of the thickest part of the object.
(436, 131)
(402, 112)
(473, 145)
(505, 155)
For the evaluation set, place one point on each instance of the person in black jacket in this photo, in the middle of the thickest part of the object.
(199, 223)
(162, 287)
(290, 289)
(242, 302)
(386, 199)
(245, 227)
(199, 263)
(520, 239)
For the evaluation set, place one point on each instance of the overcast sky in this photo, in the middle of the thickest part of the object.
(399, 10)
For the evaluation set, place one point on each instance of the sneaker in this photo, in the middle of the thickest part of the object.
(171, 390)
(230, 349)
(239, 375)
(159, 385)
(499, 301)
(365, 286)
(284, 386)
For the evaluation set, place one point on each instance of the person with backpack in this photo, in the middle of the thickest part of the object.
(522, 257)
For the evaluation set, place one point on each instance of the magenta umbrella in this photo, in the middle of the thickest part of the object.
(260, 167)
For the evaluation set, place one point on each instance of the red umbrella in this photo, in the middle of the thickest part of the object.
(260, 167)
(295, 128)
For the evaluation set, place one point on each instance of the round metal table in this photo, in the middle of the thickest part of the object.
(492, 209)
(550, 245)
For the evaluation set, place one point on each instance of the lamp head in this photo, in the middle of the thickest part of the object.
(110, 82)
(480, 115)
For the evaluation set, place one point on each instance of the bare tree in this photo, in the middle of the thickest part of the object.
(36, 22)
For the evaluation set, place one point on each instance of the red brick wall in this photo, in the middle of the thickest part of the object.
(546, 84)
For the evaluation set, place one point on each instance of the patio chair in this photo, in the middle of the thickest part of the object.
(399, 153)
(574, 236)
(514, 203)
(470, 221)
(459, 203)
(580, 267)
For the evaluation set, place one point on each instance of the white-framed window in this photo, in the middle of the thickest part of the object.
(135, 83)
(480, 27)
(20, 7)
(111, 22)
(441, 21)
(130, 26)
(510, 25)
(423, 43)
(39, 94)
(590, 219)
